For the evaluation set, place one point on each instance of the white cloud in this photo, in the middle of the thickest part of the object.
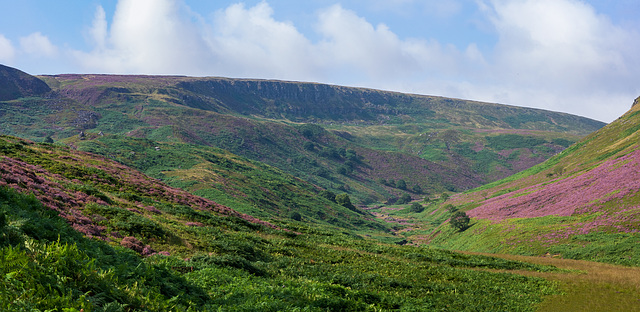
(351, 41)
(432, 8)
(146, 36)
(562, 55)
(98, 31)
(38, 45)
(7, 51)
(251, 42)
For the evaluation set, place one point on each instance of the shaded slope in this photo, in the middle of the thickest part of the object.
(16, 84)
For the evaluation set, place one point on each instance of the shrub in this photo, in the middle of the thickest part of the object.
(295, 216)
(345, 201)
(404, 199)
(417, 189)
(328, 195)
(444, 196)
(450, 208)
(460, 221)
(416, 207)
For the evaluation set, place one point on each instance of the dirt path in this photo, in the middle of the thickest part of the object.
(593, 287)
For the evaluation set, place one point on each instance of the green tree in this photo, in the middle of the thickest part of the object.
(328, 195)
(401, 184)
(460, 220)
(404, 199)
(450, 208)
(345, 201)
(417, 189)
(309, 146)
(449, 137)
(48, 139)
(416, 207)
(296, 216)
(444, 196)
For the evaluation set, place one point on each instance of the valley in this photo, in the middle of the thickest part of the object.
(136, 193)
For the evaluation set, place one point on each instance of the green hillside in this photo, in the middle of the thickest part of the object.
(81, 232)
(581, 204)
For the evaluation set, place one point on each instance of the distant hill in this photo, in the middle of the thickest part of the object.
(16, 84)
(582, 203)
(376, 146)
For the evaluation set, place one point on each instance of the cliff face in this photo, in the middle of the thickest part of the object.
(313, 102)
(294, 100)
(15, 84)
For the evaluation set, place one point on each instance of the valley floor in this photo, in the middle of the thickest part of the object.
(592, 286)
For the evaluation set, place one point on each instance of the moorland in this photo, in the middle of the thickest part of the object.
(171, 193)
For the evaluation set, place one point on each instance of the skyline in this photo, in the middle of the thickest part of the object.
(578, 57)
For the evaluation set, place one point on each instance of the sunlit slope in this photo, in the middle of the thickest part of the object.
(582, 203)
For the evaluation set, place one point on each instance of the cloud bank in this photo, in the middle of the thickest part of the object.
(554, 54)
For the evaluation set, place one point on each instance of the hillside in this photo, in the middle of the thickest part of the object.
(582, 204)
(16, 84)
(81, 232)
(377, 146)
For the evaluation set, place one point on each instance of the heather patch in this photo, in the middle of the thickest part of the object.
(580, 193)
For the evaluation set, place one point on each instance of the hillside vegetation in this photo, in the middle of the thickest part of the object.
(345, 140)
(582, 203)
(78, 231)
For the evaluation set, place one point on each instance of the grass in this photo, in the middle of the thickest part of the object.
(591, 286)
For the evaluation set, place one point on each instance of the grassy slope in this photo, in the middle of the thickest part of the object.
(218, 258)
(249, 186)
(580, 204)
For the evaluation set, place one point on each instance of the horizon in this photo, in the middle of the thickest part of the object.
(576, 57)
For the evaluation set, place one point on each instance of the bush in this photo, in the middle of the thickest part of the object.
(417, 189)
(460, 221)
(416, 207)
(345, 201)
(450, 208)
(295, 216)
(404, 199)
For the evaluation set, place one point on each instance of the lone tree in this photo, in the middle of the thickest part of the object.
(345, 201)
(450, 208)
(404, 199)
(460, 220)
(401, 184)
(416, 207)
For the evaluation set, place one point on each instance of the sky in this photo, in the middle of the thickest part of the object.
(575, 56)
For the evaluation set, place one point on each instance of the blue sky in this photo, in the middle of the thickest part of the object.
(574, 56)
